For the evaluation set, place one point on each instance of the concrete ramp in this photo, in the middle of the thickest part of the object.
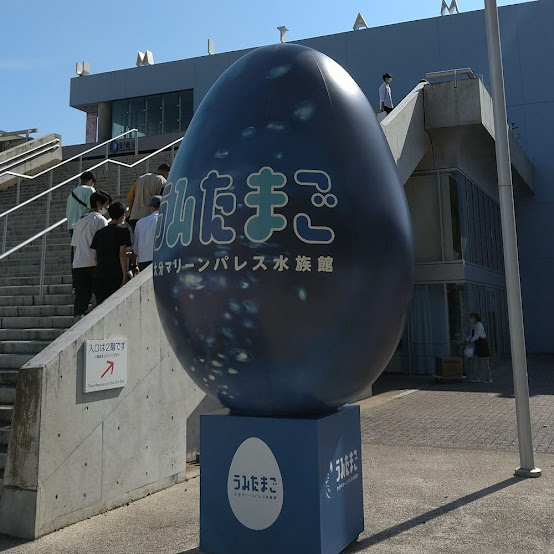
(404, 129)
(73, 454)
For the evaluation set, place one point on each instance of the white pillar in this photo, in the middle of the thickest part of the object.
(513, 287)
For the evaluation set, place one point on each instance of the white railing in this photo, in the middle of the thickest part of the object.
(48, 193)
(42, 234)
(105, 144)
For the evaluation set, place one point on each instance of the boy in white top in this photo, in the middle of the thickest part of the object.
(83, 256)
(143, 239)
(385, 95)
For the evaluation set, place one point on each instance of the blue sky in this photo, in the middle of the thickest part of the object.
(43, 40)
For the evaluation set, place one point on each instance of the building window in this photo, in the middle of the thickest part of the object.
(171, 113)
(159, 114)
(482, 225)
(137, 115)
(154, 114)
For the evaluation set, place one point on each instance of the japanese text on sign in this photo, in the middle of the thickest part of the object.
(218, 201)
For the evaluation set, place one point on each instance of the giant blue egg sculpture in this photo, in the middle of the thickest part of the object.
(283, 263)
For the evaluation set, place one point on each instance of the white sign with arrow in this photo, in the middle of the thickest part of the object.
(105, 364)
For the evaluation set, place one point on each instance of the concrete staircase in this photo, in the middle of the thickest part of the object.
(28, 321)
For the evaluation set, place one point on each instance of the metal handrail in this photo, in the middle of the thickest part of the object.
(106, 142)
(48, 192)
(452, 73)
(42, 234)
(29, 154)
(103, 162)
(32, 239)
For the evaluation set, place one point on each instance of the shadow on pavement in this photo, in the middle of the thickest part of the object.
(419, 520)
(7, 543)
(427, 516)
(539, 371)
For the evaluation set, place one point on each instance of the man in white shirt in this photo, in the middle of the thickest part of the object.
(83, 255)
(385, 95)
(143, 239)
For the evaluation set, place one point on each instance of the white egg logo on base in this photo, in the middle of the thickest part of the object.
(254, 485)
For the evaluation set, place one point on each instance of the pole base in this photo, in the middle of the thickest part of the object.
(535, 472)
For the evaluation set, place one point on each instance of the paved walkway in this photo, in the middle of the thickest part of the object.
(463, 414)
(438, 467)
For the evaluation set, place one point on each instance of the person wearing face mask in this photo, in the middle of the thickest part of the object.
(83, 256)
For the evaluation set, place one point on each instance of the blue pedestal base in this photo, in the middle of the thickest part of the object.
(275, 485)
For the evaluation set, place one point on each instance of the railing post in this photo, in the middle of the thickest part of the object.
(118, 180)
(43, 250)
(107, 150)
(5, 236)
(136, 143)
(42, 266)
(17, 191)
(172, 153)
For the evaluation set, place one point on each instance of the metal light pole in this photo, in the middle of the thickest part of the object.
(513, 287)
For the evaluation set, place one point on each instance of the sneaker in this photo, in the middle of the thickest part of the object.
(474, 381)
(488, 381)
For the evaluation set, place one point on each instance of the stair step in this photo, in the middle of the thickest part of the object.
(47, 335)
(6, 413)
(14, 361)
(34, 280)
(33, 290)
(51, 244)
(23, 259)
(5, 435)
(35, 311)
(7, 396)
(8, 377)
(15, 239)
(32, 269)
(23, 346)
(35, 300)
(57, 322)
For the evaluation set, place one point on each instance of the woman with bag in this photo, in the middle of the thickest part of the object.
(481, 371)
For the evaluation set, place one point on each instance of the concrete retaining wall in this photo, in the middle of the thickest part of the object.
(404, 129)
(42, 159)
(73, 455)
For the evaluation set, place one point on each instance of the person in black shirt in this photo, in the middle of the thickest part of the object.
(110, 247)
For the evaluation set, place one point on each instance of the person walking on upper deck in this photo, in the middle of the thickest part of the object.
(385, 94)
